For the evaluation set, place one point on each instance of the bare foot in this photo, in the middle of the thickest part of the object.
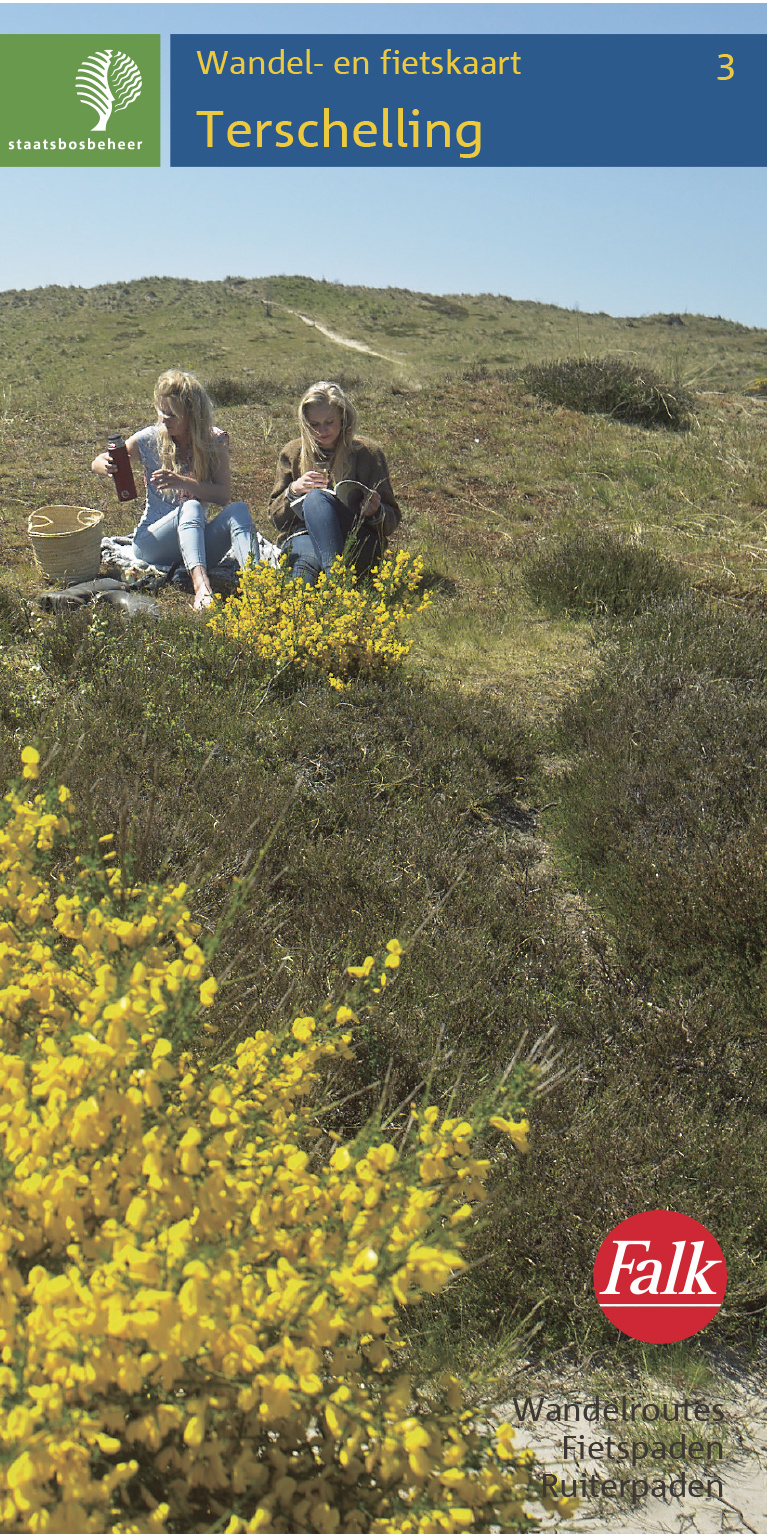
(202, 600)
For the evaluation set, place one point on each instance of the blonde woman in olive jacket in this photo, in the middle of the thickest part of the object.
(332, 486)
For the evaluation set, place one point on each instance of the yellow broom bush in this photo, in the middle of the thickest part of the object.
(340, 628)
(199, 1288)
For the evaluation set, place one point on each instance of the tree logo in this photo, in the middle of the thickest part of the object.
(108, 81)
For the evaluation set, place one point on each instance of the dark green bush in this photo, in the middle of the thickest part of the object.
(663, 813)
(665, 806)
(14, 617)
(666, 1108)
(226, 390)
(600, 573)
(611, 386)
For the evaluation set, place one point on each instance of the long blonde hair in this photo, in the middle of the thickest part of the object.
(188, 400)
(331, 394)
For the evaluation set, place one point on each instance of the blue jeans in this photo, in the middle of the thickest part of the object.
(184, 535)
(328, 524)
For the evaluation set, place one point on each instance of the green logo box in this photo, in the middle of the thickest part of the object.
(80, 99)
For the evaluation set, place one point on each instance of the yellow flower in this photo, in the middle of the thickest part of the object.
(504, 1441)
(303, 1028)
(393, 954)
(517, 1132)
(31, 760)
(136, 1213)
(339, 627)
(360, 971)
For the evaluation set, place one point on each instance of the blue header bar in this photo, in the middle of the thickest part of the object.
(474, 100)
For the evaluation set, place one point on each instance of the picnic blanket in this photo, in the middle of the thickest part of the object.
(118, 552)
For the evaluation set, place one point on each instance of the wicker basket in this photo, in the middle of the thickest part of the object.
(66, 542)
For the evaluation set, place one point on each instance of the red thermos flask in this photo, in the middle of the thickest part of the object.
(125, 484)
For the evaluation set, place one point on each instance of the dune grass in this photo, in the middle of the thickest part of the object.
(561, 791)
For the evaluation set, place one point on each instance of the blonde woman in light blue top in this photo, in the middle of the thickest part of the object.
(186, 466)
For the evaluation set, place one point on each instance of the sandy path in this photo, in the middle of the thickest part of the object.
(396, 358)
(741, 1509)
(356, 346)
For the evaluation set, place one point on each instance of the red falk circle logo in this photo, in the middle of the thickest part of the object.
(660, 1276)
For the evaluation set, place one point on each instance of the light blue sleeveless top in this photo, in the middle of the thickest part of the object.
(158, 505)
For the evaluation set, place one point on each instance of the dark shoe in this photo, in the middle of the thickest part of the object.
(59, 601)
(76, 596)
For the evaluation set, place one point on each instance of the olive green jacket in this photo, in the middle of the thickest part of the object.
(368, 465)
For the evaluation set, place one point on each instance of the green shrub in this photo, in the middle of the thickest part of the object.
(665, 1106)
(14, 618)
(662, 817)
(226, 390)
(366, 808)
(590, 574)
(611, 386)
(666, 804)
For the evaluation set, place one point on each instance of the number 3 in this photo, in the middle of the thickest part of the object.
(727, 66)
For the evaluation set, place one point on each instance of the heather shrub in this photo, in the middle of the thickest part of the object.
(14, 620)
(664, 1107)
(226, 389)
(594, 574)
(611, 386)
(665, 803)
(200, 1287)
(660, 819)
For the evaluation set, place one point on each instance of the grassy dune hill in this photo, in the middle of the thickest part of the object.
(575, 749)
(89, 337)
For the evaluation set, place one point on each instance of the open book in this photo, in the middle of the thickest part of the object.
(343, 490)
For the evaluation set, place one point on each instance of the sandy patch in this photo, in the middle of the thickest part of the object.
(677, 1507)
